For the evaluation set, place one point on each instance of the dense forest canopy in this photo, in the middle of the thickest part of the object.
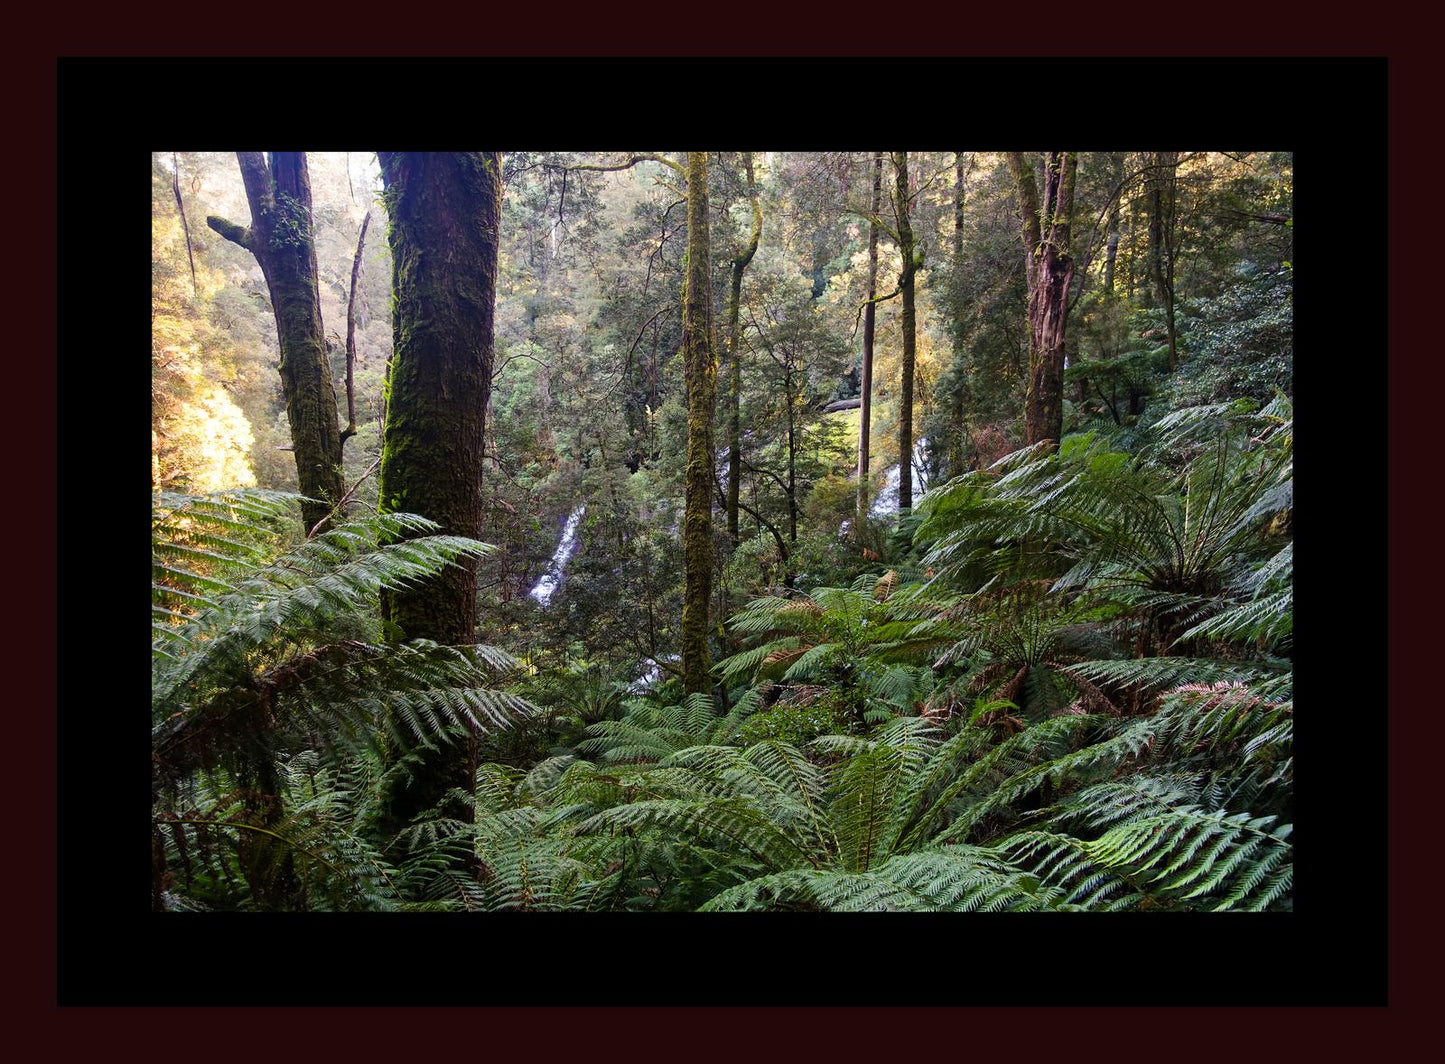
(722, 530)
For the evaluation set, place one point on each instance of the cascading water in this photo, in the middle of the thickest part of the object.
(886, 501)
(552, 578)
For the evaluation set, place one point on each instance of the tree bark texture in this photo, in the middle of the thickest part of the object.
(870, 317)
(700, 368)
(957, 412)
(735, 363)
(281, 238)
(445, 209)
(912, 254)
(1162, 197)
(1111, 248)
(1050, 268)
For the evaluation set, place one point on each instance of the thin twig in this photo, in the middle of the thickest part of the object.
(185, 228)
(345, 498)
(350, 429)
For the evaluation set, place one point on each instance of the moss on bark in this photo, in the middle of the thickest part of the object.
(281, 239)
(735, 365)
(700, 367)
(1050, 266)
(445, 208)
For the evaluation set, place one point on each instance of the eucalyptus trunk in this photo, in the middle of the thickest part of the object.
(735, 364)
(1111, 246)
(445, 208)
(281, 237)
(1049, 264)
(1162, 198)
(956, 399)
(870, 317)
(912, 255)
(700, 369)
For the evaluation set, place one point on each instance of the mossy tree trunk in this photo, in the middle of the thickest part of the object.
(281, 238)
(735, 364)
(912, 254)
(1049, 264)
(870, 317)
(1162, 199)
(445, 209)
(700, 368)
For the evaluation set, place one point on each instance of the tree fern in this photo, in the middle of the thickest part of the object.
(266, 658)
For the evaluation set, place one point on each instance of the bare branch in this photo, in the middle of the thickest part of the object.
(759, 518)
(185, 228)
(629, 164)
(874, 218)
(642, 330)
(879, 299)
(767, 472)
(350, 429)
(1268, 219)
(520, 354)
(561, 202)
(345, 498)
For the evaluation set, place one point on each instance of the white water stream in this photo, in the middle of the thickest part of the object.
(552, 578)
(886, 501)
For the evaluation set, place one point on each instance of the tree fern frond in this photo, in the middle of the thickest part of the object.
(1156, 673)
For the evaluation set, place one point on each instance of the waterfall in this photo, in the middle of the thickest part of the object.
(552, 578)
(886, 502)
(650, 676)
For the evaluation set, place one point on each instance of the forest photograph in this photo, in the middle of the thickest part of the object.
(799, 531)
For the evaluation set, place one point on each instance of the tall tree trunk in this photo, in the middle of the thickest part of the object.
(870, 316)
(445, 209)
(956, 420)
(735, 363)
(912, 259)
(1131, 247)
(1050, 268)
(1111, 247)
(1162, 192)
(789, 390)
(700, 368)
(281, 237)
